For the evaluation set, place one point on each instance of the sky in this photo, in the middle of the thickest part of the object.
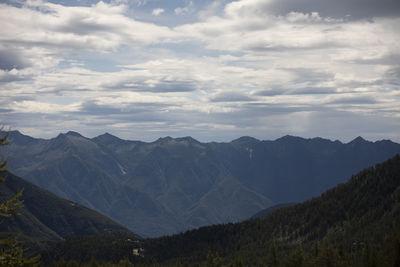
(213, 70)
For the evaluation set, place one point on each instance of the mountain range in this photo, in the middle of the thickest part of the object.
(175, 184)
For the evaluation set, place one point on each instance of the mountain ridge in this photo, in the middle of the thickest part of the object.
(166, 182)
(15, 133)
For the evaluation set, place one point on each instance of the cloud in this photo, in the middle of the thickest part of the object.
(346, 9)
(101, 27)
(392, 76)
(163, 86)
(158, 11)
(13, 75)
(341, 9)
(297, 91)
(189, 8)
(231, 97)
(249, 26)
(136, 2)
(12, 59)
(356, 100)
(212, 9)
(286, 66)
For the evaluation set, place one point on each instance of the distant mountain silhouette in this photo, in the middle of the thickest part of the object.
(174, 184)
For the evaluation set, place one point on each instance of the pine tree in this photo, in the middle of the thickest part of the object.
(213, 261)
(327, 255)
(11, 254)
(272, 256)
(295, 259)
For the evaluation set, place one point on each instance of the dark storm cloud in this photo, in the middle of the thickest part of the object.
(11, 59)
(349, 9)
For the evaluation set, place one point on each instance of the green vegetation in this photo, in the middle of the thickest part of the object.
(100, 248)
(48, 218)
(11, 253)
(354, 224)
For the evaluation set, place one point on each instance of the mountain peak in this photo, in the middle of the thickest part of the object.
(164, 139)
(287, 138)
(358, 140)
(72, 133)
(245, 140)
(187, 139)
(107, 136)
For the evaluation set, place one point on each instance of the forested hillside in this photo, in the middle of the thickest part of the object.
(47, 218)
(353, 224)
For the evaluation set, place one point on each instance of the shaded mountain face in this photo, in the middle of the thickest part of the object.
(46, 217)
(365, 211)
(172, 185)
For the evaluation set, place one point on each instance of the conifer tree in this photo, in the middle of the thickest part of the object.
(272, 256)
(11, 254)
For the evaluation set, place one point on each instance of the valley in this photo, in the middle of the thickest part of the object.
(176, 184)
